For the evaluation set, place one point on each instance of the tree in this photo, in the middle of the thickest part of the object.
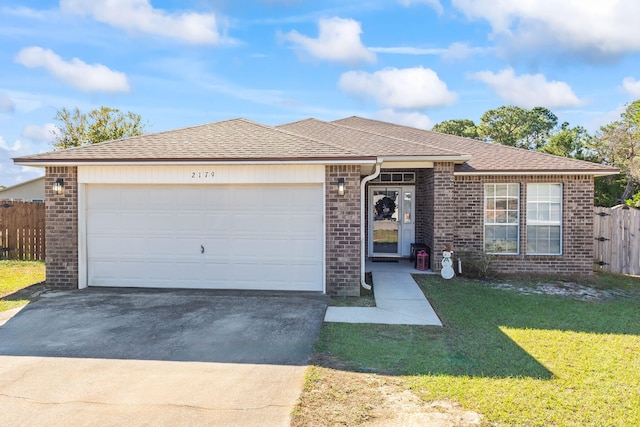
(568, 142)
(518, 127)
(461, 127)
(618, 144)
(102, 124)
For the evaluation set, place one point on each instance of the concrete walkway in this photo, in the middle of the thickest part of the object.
(399, 300)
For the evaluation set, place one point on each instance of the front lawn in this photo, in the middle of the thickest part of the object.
(17, 275)
(535, 352)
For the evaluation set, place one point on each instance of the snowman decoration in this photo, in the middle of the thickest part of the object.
(447, 264)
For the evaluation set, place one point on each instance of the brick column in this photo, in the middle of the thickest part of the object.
(443, 211)
(343, 231)
(62, 228)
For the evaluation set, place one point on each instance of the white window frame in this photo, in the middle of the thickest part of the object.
(493, 223)
(533, 198)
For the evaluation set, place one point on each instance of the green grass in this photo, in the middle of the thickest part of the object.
(17, 275)
(523, 360)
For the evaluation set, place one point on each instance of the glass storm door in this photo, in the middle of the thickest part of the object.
(391, 229)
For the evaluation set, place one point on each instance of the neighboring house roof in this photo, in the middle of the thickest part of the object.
(352, 139)
(28, 190)
(485, 157)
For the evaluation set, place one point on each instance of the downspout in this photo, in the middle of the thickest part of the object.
(363, 226)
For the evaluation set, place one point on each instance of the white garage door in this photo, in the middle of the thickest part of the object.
(202, 236)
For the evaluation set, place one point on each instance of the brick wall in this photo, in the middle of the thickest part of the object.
(343, 231)
(444, 211)
(424, 206)
(578, 218)
(62, 228)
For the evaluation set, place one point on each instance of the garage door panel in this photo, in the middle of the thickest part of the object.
(304, 223)
(117, 246)
(254, 236)
(126, 273)
(246, 222)
(217, 247)
(302, 271)
(302, 198)
(138, 222)
(188, 198)
(190, 223)
(186, 248)
(168, 271)
(244, 199)
(104, 221)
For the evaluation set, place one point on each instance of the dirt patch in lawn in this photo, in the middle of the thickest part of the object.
(336, 396)
(565, 289)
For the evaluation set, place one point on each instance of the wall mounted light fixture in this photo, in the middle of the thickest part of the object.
(58, 186)
(340, 186)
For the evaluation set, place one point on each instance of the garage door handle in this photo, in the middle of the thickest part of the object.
(201, 249)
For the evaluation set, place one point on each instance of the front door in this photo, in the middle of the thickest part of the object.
(391, 220)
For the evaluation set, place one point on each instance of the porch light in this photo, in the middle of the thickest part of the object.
(340, 186)
(58, 186)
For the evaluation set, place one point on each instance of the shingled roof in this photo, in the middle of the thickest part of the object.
(230, 140)
(369, 143)
(353, 139)
(485, 157)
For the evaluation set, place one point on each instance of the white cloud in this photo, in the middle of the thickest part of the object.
(37, 133)
(631, 86)
(6, 104)
(459, 51)
(433, 3)
(140, 16)
(413, 119)
(594, 29)
(4, 146)
(83, 76)
(338, 40)
(529, 90)
(408, 50)
(406, 88)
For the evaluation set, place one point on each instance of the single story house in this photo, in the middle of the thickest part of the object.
(237, 204)
(28, 191)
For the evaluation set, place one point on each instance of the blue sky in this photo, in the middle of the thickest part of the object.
(415, 62)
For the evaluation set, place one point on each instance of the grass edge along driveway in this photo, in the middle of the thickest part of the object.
(510, 351)
(15, 276)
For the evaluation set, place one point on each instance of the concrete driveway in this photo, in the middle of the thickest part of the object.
(156, 357)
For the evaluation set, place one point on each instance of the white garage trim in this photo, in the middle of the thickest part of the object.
(202, 174)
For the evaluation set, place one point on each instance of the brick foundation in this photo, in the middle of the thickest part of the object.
(62, 228)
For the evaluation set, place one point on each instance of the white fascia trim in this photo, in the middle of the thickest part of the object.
(545, 173)
(202, 162)
(456, 159)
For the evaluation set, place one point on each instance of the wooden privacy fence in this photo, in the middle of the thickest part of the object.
(22, 230)
(617, 234)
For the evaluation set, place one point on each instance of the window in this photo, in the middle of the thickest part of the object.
(544, 219)
(396, 177)
(501, 218)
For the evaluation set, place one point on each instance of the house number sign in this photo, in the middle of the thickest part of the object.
(202, 174)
